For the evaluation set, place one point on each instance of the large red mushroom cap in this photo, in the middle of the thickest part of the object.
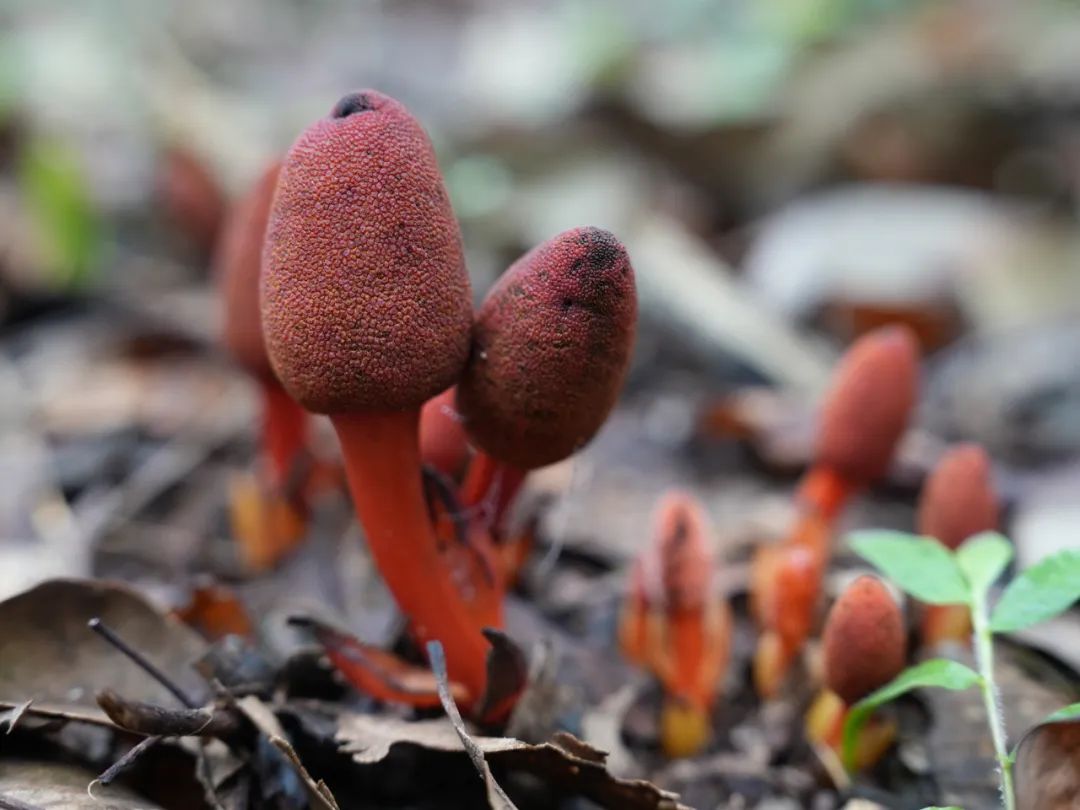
(864, 640)
(551, 346)
(869, 403)
(958, 499)
(365, 298)
(237, 261)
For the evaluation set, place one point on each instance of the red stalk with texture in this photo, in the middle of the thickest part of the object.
(675, 624)
(367, 315)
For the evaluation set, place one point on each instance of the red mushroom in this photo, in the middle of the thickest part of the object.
(367, 314)
(191, 197)
(865, 413)
(865, 641)
(865, 647)
(551, 346)
(675, 624)
(237, 264)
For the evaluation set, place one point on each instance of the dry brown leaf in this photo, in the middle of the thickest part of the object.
(369, 739)
(215, 611)
(54, 785)
(1048, 767)
(53, 659)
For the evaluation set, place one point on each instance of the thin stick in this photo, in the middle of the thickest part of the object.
(125, 762)
(141, 661)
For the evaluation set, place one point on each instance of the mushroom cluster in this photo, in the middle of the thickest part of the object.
(367, 317)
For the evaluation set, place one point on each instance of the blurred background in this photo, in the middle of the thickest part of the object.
(785, 174)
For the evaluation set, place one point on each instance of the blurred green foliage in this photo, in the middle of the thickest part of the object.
(53, 187)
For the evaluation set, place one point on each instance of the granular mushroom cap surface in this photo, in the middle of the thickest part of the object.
(864, 640)
(679, 563)
(365, 297)
(236, 263)
(551, 345)
(869, 404)
(958, 499)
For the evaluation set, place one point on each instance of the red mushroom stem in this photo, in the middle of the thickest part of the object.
(490, 487)
(390, 502)
(284, 432)
(443, 443)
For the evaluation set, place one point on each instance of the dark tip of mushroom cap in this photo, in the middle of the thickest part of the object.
(551, 345)
(351, 104)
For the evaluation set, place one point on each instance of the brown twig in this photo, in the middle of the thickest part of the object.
(146, 718)
(127, 760)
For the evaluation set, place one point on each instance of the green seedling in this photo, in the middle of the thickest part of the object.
(927, 570)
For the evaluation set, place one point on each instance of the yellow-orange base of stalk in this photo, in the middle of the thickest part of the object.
(824, 726)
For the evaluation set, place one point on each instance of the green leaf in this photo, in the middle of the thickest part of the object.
(982, 558)
(1067, 713)
(1041, 592)
(937, 672)
(919, 565)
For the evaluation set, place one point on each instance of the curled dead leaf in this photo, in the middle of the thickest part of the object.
(1047, 770)
(369, 738)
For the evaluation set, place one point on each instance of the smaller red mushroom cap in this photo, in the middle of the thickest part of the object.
(864, 640)
(677, 569)
(868, 405)
(958, 499)
(237, 262)
(365, 298)
(551, 346)
(191, 197)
